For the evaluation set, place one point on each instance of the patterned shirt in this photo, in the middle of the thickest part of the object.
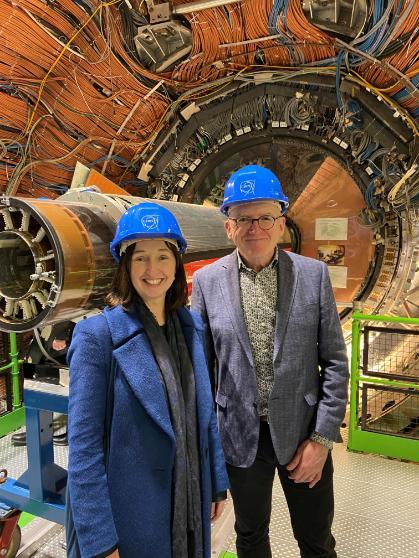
(259, 291)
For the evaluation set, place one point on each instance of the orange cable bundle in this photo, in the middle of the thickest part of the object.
(405, 60)
(89, 92)
(256, 16)
(319, 44)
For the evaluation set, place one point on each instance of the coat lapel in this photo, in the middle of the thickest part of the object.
(133, 354)
(230, 289)
(287, 284)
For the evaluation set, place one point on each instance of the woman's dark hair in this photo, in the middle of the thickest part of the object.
(122, 290)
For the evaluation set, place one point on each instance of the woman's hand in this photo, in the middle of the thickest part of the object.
(217, 509)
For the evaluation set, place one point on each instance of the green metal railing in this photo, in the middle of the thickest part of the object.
(16, 417)
(389, 445)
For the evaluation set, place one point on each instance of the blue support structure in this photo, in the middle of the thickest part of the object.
(41, 489)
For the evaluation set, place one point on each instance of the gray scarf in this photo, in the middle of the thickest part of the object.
(172, 355)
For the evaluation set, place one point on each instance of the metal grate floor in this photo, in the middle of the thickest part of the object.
(377, 511)
(40, 538)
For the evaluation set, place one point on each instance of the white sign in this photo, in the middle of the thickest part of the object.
(333, 228)
(338, 276)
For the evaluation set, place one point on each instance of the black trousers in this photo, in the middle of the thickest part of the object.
(311, 509)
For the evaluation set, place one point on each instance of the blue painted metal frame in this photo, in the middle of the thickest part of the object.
(41, 489)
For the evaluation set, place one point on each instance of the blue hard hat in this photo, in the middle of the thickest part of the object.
(250, 184)
(146, 220)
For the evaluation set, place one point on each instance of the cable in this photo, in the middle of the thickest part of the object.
(78, 64)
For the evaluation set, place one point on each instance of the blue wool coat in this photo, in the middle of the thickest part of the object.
(130, 504)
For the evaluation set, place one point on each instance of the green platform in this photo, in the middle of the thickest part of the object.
(25, 518)
(12, 421)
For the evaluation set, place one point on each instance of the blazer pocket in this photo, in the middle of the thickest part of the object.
(311, 398)
(221, 400)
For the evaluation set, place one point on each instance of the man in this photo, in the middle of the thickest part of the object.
(276, 347)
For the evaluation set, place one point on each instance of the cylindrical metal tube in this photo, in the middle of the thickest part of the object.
(55, 262)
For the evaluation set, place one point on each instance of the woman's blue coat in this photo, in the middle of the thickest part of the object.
(130, 504)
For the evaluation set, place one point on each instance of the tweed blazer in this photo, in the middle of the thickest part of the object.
(309, 358)
(130, 503)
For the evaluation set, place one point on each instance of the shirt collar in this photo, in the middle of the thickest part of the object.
(271, 265)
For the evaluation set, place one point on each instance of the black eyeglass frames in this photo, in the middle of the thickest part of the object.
(265, 222)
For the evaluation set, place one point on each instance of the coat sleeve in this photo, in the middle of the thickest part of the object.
(89, 361)
(219, 478)
(199, 306)
(333, 363)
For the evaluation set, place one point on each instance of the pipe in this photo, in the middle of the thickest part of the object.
(55, 263)
(14, 361)
(198, 6)
(355, 360)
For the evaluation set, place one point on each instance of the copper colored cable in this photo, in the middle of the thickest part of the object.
(84, 91)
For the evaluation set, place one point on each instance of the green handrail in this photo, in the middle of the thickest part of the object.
(391, 319)
(14, 361)
(355, 360)
(15, 418)
(14, 364)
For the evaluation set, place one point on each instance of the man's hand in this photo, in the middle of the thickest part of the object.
(217, 509)
(308, 462)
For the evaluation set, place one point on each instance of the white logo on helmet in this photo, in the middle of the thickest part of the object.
(247, 187)
(150, 222)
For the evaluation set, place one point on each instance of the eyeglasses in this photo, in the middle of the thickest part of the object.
(265, 222)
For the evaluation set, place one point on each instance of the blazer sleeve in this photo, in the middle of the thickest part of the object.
(333, 363)
(219, 479)
(89, 360)
(199, 306)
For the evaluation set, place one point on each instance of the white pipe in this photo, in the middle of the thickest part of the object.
(204, 5)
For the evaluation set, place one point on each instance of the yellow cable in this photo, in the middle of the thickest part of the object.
(388, 100)
(43, 82)
(413, 73)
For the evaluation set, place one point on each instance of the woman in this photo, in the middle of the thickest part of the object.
(150, 492)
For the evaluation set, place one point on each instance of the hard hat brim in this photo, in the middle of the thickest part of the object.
(126, 243)
(225, 207)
